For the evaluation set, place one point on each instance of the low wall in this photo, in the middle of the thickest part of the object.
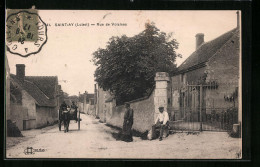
(143, 114)
(117, 117)
(91, 110)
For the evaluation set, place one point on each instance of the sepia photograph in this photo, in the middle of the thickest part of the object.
(123, 84)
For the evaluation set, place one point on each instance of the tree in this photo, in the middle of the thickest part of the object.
(65, 95)
(127, 66)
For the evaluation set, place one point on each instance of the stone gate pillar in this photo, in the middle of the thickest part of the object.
(161, 92)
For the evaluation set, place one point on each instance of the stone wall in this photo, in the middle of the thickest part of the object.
(143, 114)
(117, 117)
(45, 116)
(29, 103)
(19, 115)
(224, 68)
(109, 107)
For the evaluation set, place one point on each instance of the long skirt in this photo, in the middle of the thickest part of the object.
(127, 132)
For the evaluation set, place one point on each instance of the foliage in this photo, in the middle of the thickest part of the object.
(127, 66)
(66, 95)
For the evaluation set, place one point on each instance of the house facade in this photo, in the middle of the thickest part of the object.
(207, 81)
(34, 99)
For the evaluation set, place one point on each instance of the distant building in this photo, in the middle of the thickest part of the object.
(34, 99)
(86, 103)
(104, 104)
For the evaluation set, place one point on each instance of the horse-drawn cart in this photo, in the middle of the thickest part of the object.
(66, 116)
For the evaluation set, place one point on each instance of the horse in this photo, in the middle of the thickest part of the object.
(65, 115)
(66, 119)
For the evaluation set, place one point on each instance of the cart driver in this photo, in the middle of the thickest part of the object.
(76, 110)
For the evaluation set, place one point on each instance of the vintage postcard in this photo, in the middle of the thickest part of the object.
(124, 84)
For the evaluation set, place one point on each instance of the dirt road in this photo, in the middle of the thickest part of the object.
(95, 140)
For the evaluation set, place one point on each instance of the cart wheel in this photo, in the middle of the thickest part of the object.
(59, 125)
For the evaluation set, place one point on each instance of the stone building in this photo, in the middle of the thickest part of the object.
(34, 99)
(209, 77)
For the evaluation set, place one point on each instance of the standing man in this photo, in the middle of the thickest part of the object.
(128, 123)
(161, 122)
(73, 106)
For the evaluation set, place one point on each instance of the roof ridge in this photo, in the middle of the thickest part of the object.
(37, 94)
(43, 76)
(222, 46)
(189, 58)
(224, 43)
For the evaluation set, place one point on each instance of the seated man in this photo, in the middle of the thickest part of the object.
(162, 122)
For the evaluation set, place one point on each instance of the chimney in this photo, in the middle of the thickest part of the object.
(199, 39)
(20, 72)
(238, 24)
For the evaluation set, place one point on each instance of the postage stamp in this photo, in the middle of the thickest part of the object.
(26, 33)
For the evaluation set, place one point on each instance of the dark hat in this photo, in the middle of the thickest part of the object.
(161, 107)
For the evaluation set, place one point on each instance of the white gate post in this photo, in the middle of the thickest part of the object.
(161, 94)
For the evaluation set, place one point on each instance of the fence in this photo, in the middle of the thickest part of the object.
(218, 119)
(210, 106)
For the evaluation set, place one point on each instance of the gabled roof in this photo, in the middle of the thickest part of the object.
(31, 88)
(198, 58)
(45, 83)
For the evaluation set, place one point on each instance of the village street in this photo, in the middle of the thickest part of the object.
(95, 140)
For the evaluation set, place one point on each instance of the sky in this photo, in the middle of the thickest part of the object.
(69, 49)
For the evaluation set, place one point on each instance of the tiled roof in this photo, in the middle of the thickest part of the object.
(45, 83)
(205, 51)
(40, 97)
